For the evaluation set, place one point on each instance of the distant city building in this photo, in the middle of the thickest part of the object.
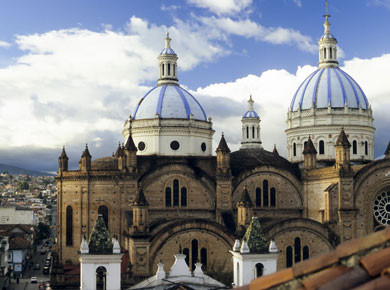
(17, 215)
(164, 188)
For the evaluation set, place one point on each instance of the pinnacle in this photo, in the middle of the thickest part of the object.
(342, 140)
(222, 146)
(309, 147)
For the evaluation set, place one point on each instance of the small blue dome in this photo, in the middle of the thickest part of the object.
(329, 86)
(251, 114)
(168, 50)
(169, 101)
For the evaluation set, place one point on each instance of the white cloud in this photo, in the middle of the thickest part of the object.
(298, 3)
(273, 91)
(220, 7)
(4, 44)
(384, 3)
(250, 29)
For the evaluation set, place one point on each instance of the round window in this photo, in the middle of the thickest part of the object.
(175, 145)
(203, 147)
(382, 208)
(141, 146)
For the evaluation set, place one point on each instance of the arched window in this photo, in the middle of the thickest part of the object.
(366, 148)
(186, 252)
(273, 197)
(194, 249)
(297, 250)
(258, 196)
(322, 146)
(259, 270)
(247, 132)
(101, 278)
(162, 70)
(183, 196)
(265, 193)
(238, 273)
(324, 53)
(175, 192)
(289, 259)
(305, 252)
(330, 53)
(69, 225)
(168, 197)
(354, 147)
(174, 69)
(103, 210)
(169, 69)
(253, 132)
(295, 149)
(203, 257)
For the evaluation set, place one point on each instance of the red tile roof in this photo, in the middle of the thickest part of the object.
(359, 264)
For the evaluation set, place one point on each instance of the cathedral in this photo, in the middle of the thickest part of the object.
(165, 188)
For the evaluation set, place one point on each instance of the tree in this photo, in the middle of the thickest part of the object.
(43, 231)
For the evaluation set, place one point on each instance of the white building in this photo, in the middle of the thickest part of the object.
(17, 215)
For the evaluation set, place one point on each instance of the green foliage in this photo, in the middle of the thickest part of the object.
(23, 185)
(100, 241)
(255, 238)
(43, 231)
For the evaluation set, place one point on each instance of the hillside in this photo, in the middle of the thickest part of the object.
(16, 170)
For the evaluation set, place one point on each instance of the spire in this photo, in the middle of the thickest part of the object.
(309, 147)
(63, 154)
(275, 151)
(250, 103)
(342, 140)
(130, 144)
(222, 146)
(86, 152)
(327, 45)
(140, 199)
(245, 199)
(167, 62)
(119, 151)
(387, 152)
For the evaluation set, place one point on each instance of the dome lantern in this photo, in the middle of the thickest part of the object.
(327, 45)
(167, 62)
(250, 128)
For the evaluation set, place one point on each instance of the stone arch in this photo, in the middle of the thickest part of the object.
(368, 183)
(312, 234)
(210, 235)
(156, 181)
(248, 178)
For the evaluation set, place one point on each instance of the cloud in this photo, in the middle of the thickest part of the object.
(384, 3)
(298, 3)
(250, 29)
(4, 44)
(272, 92)
(222, 6)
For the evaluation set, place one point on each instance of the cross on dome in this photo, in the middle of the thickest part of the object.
(167, 41)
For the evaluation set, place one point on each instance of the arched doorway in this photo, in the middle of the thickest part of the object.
(101, 278)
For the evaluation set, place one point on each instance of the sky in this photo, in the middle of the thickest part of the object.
(71, 72)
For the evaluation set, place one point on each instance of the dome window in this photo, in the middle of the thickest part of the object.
(354, 147)
(169, 69)
(295, 149)
(324, 53)
(203, 147)
(330, 53)
(141, 146)
(366, 148)
(322, 147)
(175, 145)
(162, 71)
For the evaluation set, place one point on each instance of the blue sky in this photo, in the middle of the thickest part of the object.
(72, 71)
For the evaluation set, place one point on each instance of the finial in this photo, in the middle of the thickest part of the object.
(250, 103)
(167, 41)
(222, 134)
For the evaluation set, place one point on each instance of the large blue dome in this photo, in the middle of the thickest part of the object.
(329, 86)
(169, 101)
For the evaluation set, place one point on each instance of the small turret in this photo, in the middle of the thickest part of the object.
(63, 161)
(310, 155)
(85, 160)
(387, 152)
(223, 156)
(343, 152)
(250, 128)
(130, 153)
(140, 211)
(245, 208)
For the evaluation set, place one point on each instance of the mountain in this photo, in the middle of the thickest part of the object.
(16, 170)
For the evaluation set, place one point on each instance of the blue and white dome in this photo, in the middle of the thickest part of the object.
(251, 114)
(169, 101)
(168, 50)
(329, 86)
